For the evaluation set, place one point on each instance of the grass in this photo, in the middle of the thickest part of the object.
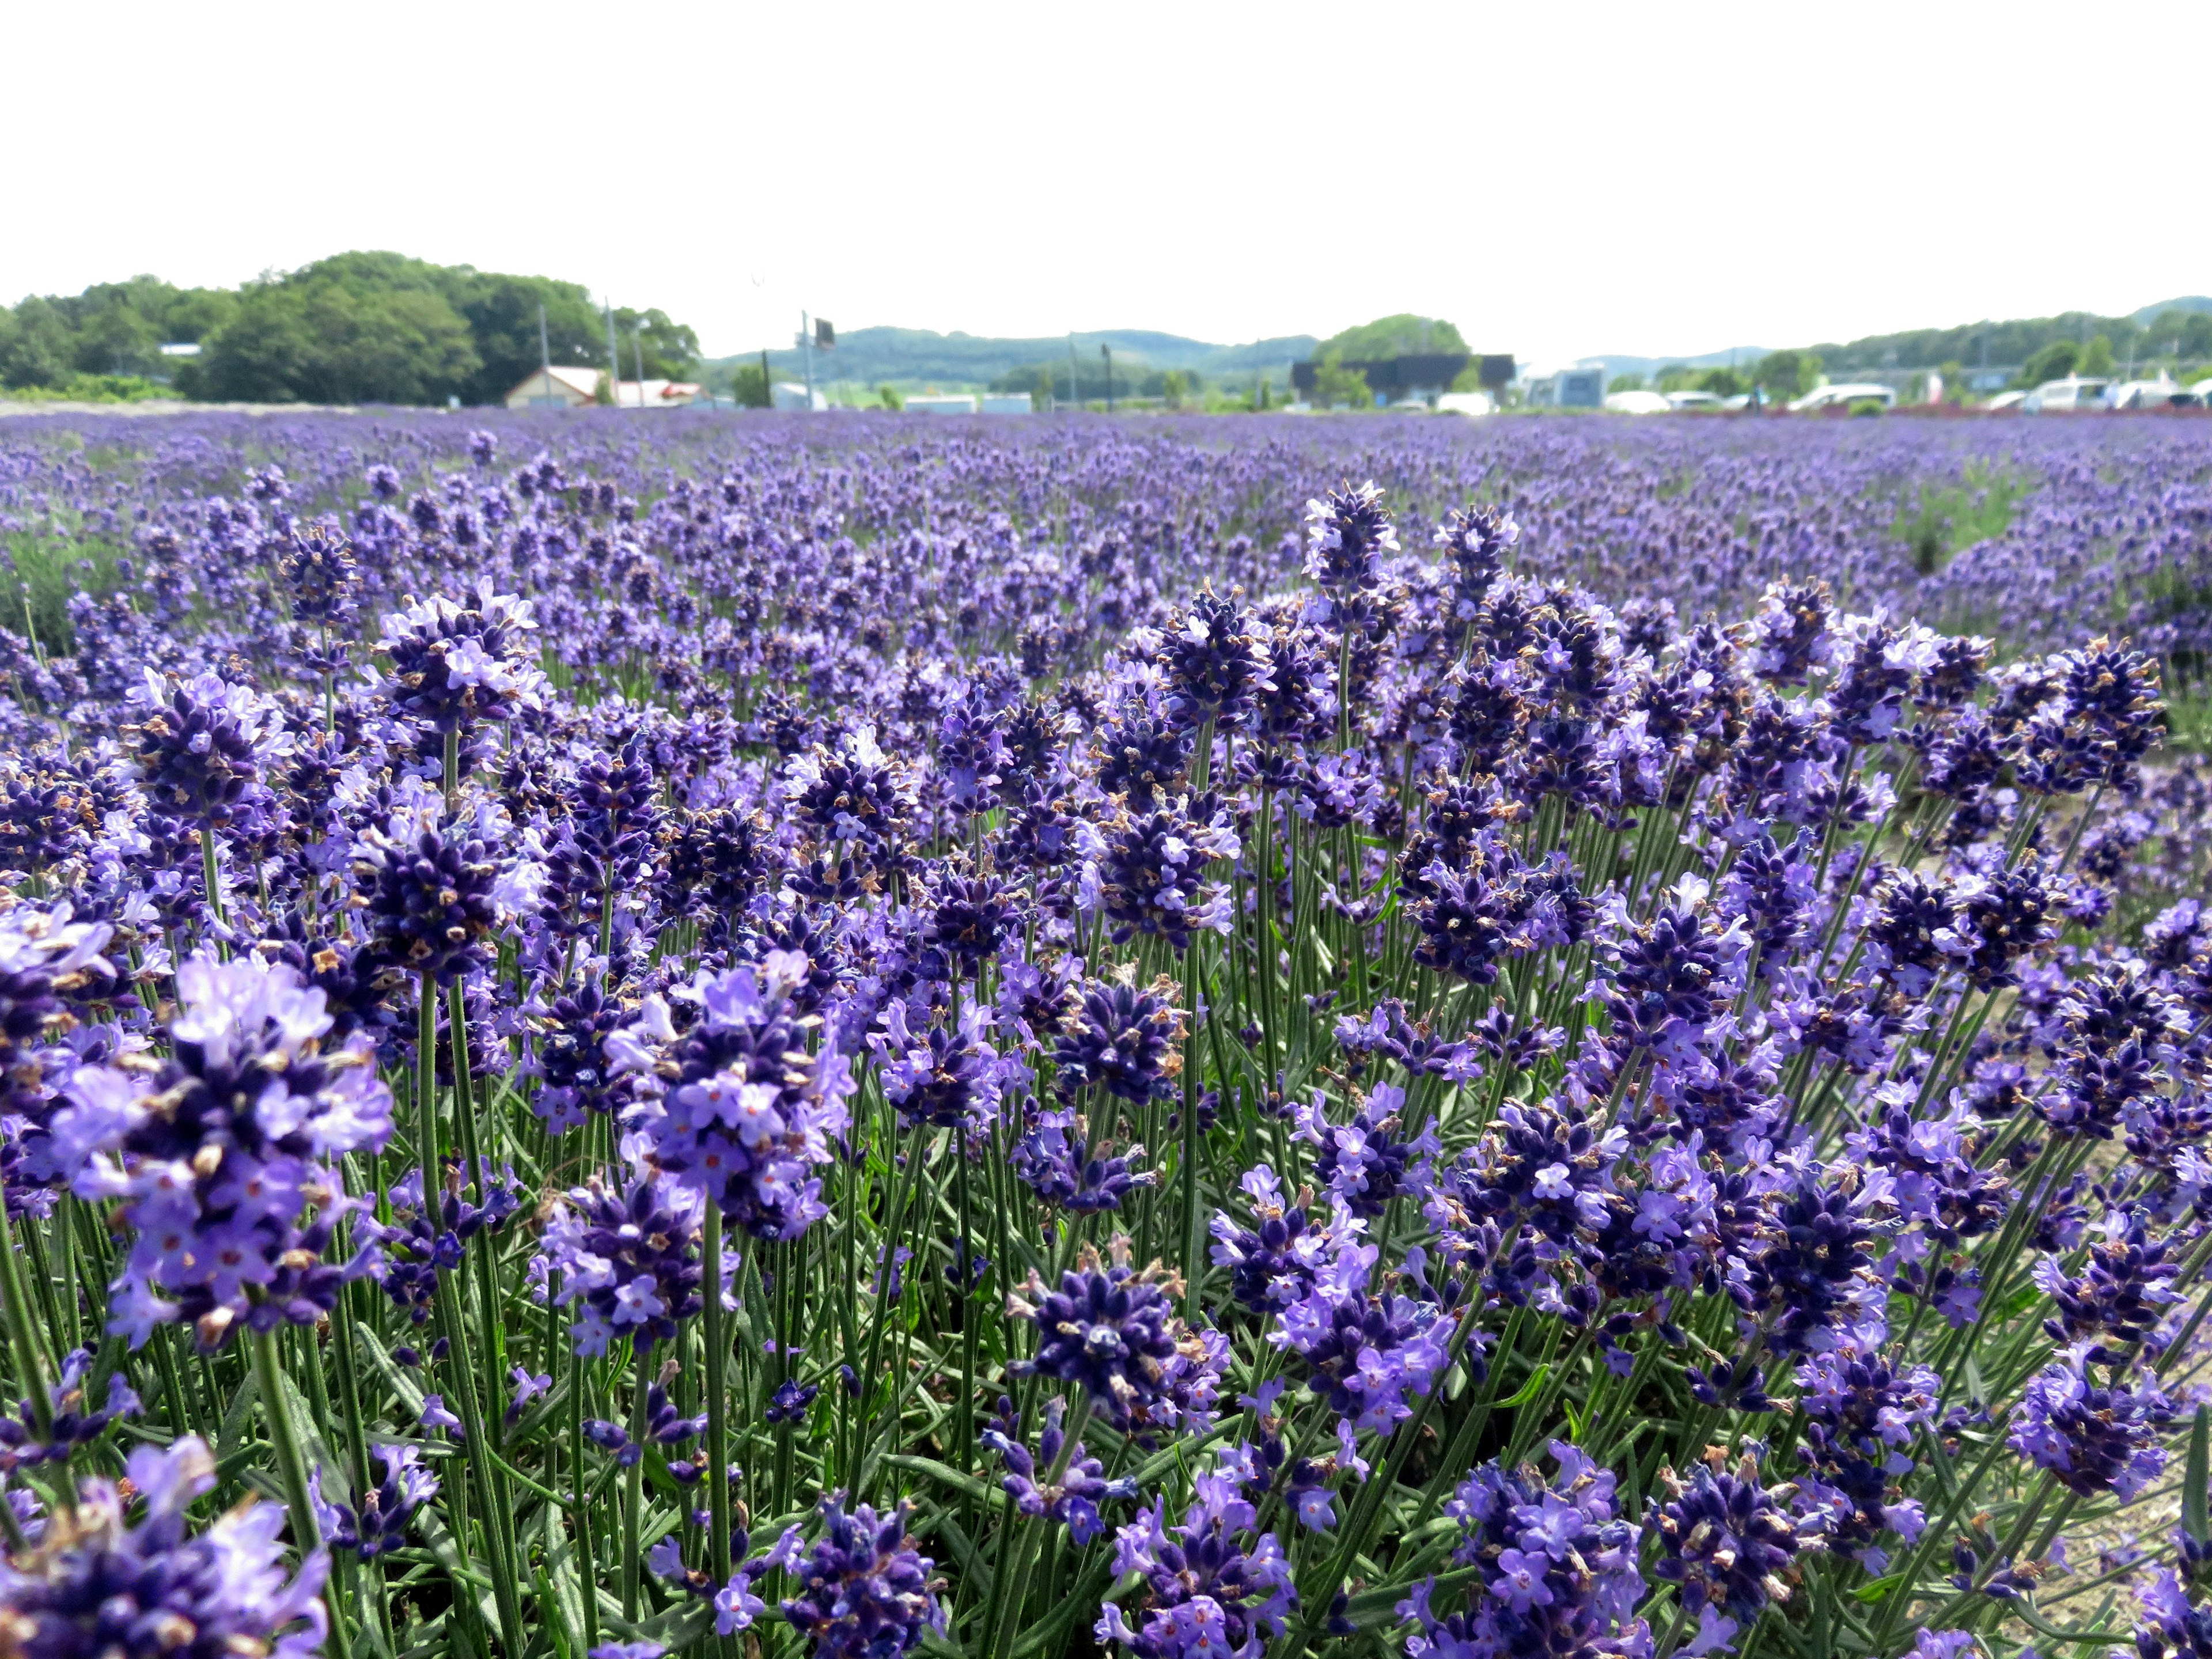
(2188, 719)
(45, 572)
(1947, 518)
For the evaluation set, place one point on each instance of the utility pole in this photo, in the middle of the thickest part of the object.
(768, 386)
(1107, 352)
(545, 351)
(614, 360)
(807, 352)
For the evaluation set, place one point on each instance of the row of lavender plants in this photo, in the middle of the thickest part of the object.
(722, 1041)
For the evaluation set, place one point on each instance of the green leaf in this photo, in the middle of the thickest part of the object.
(235, 1420)
(2195, 1474)
(944, 1476)
(1879, 1590)
(1528, 1389)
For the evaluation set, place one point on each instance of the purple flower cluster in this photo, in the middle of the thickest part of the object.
(99, 1584)
(220, 1156)
(1557, 1568)
(1212, 1584)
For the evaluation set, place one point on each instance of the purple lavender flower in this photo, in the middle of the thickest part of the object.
(1348, 535)
(201, 747)
(1365, 1353)
(2173, 1627)
(628, 1259)
(1368, 1162)
(1557, 1567)
(429, 893)
(1124, 1041)
(73, 1421)
(2094, 1437)
(379, 1521)
(456, 665)
(1074, 1498)
(1110, 1328)
(217, 1153)
(99, 1585)
(1216, 662)
(863, 1591)
(1212, 1585)
(1726, 1541)
(745, 1113)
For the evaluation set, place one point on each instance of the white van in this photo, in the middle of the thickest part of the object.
(2144, 394)
(1849, 391)
(2072, 392)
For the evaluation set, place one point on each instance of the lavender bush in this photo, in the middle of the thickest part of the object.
(761, 1036)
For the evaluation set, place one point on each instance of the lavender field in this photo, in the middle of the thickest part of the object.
(745, 1035)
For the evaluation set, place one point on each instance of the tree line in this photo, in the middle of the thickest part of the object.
(355, 328)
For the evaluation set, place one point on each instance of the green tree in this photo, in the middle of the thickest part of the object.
(36, 347)
(1624, 383)
(1677, 376)
(1786, 374)
(2053, 362)
(1336, 386)
(671, 348)
(888, 395)
(2096, 356)
(1722, 383)
(501, 313)
(1173, 386)
(116, 340)
(1400, 336)
(321, 341)
(749, 386)
(1954, 381)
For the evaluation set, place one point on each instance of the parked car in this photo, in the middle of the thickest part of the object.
(2075, 391)
(1465, 402)
(1636, 402)
(1694, 399)
(2003, 401)
(2144, 394)
(1845, 394)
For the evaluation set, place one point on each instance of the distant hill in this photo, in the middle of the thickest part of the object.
(2153, 331)
(911, 357)
(2197, 303)
(1622, 363)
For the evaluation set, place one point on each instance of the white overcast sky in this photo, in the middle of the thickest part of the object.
(1559, 180)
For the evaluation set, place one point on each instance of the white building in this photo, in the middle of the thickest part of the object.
(1007, 403)
(655, 394)
(557, 387)
(943, 403)
(789, 394)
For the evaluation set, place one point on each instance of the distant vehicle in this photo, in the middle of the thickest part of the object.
(1570, 388)
(1741, 400)
(1636, 402)
(2160, 394)
(2003, 401)
(1844, 395)
(1474, 404)
(1693, 399)
(942, 403)
(2071, 393)
(790, 394)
